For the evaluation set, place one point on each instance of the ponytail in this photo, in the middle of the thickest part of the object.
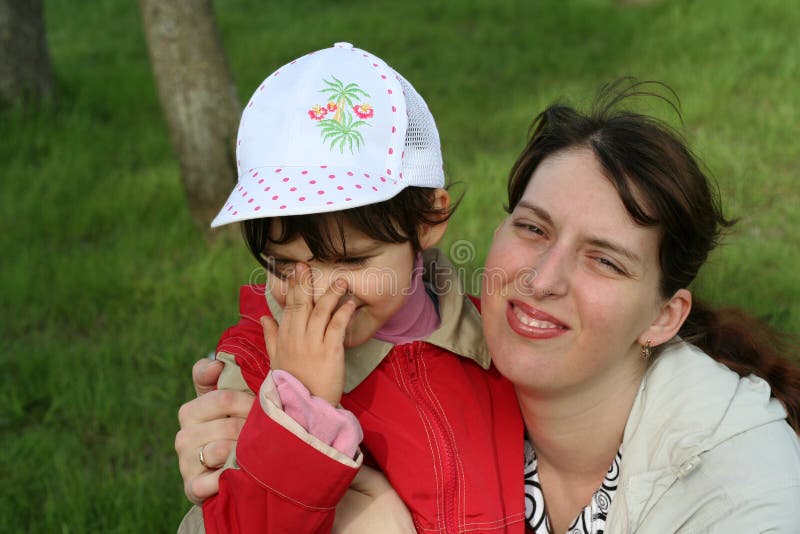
(749, 346)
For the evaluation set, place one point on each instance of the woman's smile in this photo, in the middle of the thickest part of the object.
(533, 323)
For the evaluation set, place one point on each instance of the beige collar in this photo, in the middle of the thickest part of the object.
(460, 331)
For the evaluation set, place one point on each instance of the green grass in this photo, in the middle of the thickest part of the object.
(108, 292)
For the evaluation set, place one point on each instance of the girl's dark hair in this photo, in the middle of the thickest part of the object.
(397, 220)
(661, 184)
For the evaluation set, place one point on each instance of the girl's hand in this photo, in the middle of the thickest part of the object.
(309, 343)
(210, 423)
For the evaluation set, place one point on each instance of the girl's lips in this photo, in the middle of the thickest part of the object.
(532, 323)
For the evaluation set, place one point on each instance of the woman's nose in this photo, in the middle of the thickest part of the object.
(549, 275)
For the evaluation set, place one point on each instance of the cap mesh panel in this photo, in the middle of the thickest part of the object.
(422, 161)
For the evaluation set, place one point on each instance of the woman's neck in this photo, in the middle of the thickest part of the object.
(576, 435)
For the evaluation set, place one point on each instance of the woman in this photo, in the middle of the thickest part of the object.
(629, 427)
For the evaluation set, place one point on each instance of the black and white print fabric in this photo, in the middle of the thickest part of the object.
(592, 520)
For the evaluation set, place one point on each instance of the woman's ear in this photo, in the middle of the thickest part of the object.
(669, 320)
(431, 234)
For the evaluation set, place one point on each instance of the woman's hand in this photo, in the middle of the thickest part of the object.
(209, 424)
(372, 505)
(309, 343)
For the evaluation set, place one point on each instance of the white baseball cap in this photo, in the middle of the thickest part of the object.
(332, 130)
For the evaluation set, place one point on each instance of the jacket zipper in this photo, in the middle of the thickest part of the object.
(443, 438)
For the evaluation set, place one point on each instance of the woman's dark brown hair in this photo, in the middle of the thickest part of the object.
(661, 184)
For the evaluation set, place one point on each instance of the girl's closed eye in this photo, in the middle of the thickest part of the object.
(355, 261)
(279, 267)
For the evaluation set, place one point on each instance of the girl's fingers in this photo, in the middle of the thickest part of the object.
(337, 328)
(299, 301)
(291, 282)
(324, 309)
(270, 327)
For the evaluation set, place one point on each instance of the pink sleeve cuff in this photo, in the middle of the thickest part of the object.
(336, 427)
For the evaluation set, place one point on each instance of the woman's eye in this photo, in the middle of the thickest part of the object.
(529, 227)
(608, 264)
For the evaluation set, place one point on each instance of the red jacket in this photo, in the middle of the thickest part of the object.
(446, 433)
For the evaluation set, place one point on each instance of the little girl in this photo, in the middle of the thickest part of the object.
(341, 196)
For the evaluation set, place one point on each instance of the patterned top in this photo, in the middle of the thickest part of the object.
(592, 520)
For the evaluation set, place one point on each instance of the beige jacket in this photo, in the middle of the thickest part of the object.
(706, 451)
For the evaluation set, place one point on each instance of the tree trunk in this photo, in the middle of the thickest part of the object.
(198, 97)
(25, 69)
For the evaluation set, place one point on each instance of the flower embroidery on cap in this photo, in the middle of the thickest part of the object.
(342, 129)
(364, 111)
(317, 112)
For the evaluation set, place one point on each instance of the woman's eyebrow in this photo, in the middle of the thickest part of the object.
(540, 212)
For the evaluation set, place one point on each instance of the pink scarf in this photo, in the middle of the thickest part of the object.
(418, 317)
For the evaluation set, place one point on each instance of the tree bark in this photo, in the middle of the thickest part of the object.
(25, 69)
(198, 98)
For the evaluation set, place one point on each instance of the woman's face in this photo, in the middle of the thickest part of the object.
(571, 282)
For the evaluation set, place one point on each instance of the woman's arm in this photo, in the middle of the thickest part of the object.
(210, 423)
(372, 505)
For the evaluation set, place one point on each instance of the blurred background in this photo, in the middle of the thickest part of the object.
(110, 289)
